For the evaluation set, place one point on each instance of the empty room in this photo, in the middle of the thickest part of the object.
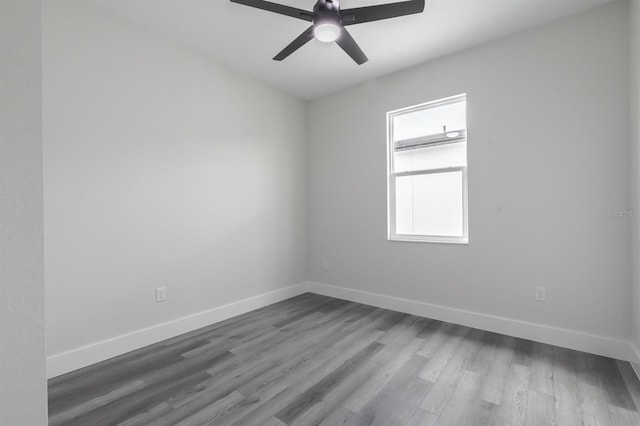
(319, 212)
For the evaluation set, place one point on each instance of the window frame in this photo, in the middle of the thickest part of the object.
(392, 235)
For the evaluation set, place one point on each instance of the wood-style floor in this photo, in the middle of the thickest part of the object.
(313, 360)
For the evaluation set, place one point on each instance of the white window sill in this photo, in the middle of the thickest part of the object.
(428, 239)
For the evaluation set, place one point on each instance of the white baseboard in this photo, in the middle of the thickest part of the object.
(571, 339)
(74, 359)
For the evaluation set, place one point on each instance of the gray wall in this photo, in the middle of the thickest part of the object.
(635, 160)
(162, 168)
(23, 392)
(548, 117)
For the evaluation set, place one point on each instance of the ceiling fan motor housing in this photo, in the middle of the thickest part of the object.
(326, 11)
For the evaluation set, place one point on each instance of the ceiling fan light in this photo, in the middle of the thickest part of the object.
(326, 32)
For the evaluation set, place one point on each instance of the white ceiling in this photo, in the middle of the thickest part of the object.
(245, 39)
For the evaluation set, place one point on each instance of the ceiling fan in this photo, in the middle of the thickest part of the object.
(329, 22)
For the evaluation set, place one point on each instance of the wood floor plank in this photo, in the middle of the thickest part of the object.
(465, 407)
(480, 363)
(332, 399)
(249, 359)
(389, 319)
(595, 409)
(313, 360)
(319, 359)
(142, 402)
(280, 377)
(185, 367)
(358, 399)
(623, 417)
(631, 381)
(337, 358)
(60, 417)
(513, 404)
(163, 354)
(232, 340)
(445, 386)
(333, 329)
(318, 390)
(264, 413)
(523, 352)
(237, 411)
(423, 418)
(437, 338)
(272, 421)
(102, 379)
(277, 337)
(410, 326)
(565, 388)
(432, 326)
(540, 409)
(359, 328)
(105, 370)
(338, 417)
(211, 412)
(441, 356)
(498, 369)
(604, 373)
(312, 416)
(455, 413)
(146, 418)
(344, 388)
(356, 318)
(316, 309)
(542, 369)
(288, 369)
(335, 305)
(213, 389)
(396, 403)
(398, 344)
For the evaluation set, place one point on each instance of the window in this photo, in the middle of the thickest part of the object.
(427, 172)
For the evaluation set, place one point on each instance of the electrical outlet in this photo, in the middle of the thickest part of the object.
(540, 294)
(161, 294)
(325, 265)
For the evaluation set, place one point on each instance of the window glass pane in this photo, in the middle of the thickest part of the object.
(432, 157)
(430, 204)
(430, 121)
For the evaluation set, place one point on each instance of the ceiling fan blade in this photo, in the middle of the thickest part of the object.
(350, 46)
(296, 44)
(277, 8)
(360, 15)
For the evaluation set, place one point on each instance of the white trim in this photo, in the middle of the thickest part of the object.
(430, 171)
(74, 359)
(392, 176)
(431, 104)
(571, 339)
(408, 238)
